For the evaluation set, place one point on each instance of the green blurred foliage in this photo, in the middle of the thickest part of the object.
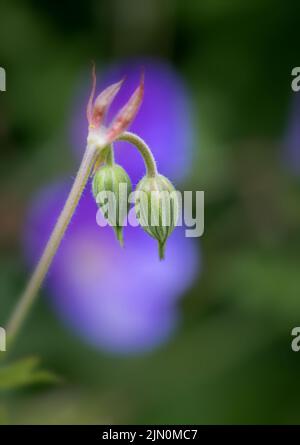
(231, 360)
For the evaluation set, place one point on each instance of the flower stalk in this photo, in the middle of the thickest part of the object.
(27, 299)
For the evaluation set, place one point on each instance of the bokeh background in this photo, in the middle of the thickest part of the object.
(206, 336)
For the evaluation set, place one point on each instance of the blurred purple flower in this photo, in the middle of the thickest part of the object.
(164, 119)
(121, 300)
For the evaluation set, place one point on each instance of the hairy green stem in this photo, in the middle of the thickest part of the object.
(143, 149)
(31, 291)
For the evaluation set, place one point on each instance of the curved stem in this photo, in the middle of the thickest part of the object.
(31, 291)
(143, 149)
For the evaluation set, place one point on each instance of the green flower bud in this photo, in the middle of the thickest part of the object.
(156, 206)
(111, 188)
